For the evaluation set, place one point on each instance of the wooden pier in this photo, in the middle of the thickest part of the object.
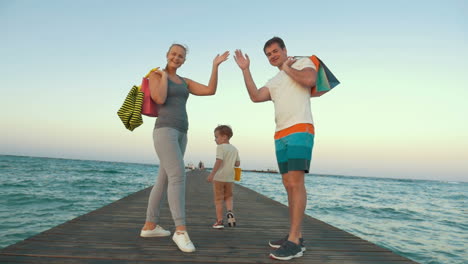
(111, 235)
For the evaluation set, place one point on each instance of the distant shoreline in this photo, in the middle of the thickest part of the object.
(261, 171)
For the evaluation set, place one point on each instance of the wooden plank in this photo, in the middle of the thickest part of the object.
(111, 234)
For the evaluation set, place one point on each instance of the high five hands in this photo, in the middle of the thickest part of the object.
(242, 60)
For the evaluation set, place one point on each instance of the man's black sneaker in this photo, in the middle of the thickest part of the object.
(278, 243)
(287, 251)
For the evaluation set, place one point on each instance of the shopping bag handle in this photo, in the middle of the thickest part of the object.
(152, 70)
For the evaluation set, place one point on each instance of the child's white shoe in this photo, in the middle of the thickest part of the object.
(231, 219)
(182, 240)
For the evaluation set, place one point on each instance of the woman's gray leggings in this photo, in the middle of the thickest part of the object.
(170, 146)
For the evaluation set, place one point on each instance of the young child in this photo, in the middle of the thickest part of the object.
(222, 175)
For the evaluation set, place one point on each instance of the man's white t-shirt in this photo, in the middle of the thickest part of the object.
(291, 100)
(229, 155)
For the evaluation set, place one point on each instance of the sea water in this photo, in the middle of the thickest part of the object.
(425, 221)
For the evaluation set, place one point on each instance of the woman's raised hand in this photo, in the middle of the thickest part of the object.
(220, 58)
(241, 60)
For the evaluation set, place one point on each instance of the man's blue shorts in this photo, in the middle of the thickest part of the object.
(294, 148)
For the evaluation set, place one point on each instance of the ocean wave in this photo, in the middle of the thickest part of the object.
(461, 197)
(460, 225)
(97, 171)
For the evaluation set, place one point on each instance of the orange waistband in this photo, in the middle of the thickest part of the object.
(303, 127)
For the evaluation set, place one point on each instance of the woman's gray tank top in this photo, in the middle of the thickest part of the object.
(173, 113)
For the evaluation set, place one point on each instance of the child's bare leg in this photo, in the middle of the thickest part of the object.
(229, 200)
(229, 197)
(219, 210)
(229, 203)
(218, 201)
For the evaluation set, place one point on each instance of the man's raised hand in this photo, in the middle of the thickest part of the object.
(242, 61)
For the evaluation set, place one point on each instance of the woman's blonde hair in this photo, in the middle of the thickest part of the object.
(179, 45)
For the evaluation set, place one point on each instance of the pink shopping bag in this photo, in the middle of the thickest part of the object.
(149, 107)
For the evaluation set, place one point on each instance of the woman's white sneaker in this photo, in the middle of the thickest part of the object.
(158, 231)
(182, 240)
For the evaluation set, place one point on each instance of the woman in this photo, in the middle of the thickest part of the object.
(171, 92)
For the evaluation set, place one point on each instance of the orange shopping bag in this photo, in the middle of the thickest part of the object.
(237, 174)
(325, 79)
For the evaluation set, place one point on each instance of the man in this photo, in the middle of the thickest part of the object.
(294, 137)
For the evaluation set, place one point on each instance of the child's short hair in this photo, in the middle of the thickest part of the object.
(224, 130)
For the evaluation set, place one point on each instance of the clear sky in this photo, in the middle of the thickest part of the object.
(400, 110)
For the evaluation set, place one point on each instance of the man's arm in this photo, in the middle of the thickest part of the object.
(256, 95)
(305, 77)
